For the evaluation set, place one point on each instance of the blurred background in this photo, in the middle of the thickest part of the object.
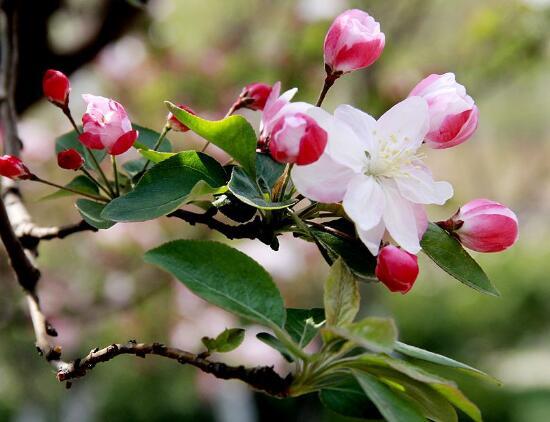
(97, 290)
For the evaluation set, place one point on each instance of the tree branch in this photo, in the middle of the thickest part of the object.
(262, 378)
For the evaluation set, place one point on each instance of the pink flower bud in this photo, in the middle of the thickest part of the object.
(255, 95)
(396, 268)
(56, 87)
(297, 138)
(106, 125)
(174, 123)
(353, 41)
(453, 114)
(13, 168)
(484, 226)
(70, 159)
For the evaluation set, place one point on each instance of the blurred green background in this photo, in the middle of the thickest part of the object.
(97, 290)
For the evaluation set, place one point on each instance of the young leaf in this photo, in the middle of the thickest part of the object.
(348, 398)
(91, 213)
(375, 334)
(155, 156)
(459, 400)
(425, 355)
(228, 340)
(341, 296)
(303, 324)
(448, 253)
(224, 277)
(276, 344)
(233, 134)
(247, 190)
(268, 170)
(70, 140)
(80, 183)
(394, 407)
(148, 138)
(166, 186)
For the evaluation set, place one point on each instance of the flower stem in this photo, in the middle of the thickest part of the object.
(115, 171)
(93, 179)
(329, 81)
(161, 137)
(35, 178)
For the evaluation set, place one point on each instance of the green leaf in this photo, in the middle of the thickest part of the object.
(233, 134)
(70, 140)
(147, 140)
(224, 277)
(375, 334)
(394, 407)
(91, 213)
(166, 186)
(80, 183)
(459, 400)
(341, 296)
(425, 355)
(268, 170)
(448, 253)
(155, 156)
(348, 398)
(275, 343)
(244, 188)
(228, 340)
(354, 253)
(303, 324)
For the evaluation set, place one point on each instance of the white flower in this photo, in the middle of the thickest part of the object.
(374, 168)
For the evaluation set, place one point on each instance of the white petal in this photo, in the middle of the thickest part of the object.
(417, 185)
(372, 238)
(324, 181)
(362, 124)
(343, 145)
(400, 219)
(364, 201)
(406, 123)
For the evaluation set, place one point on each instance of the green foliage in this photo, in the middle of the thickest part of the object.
(341, 297)
(146, 140)
(348, 399)
(228, 340)
(233, 134)
(449, 254)
(91, 213)
(375, 334)
(80, 183)
(168, 185)
(224, 277)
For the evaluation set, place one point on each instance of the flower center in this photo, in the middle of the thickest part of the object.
(392, 158)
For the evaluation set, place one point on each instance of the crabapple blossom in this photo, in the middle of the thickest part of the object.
(353, 41)
(13, 168)
(56, 87)
(396, 268)
(106, 125)
(289, 130)
(254, 96)
(374, 168)
(484, 226)
(453, 113)
(70, 159)
(174, 123)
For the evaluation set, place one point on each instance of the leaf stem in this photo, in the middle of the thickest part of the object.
(35, 178)
(115, 171)
(161, 137)
(289, 343)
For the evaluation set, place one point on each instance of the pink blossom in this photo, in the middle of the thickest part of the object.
(453, 114)
(70, 159)
(255, 95)
(297, 138)
(396, 268)
(13, 167)
(106, 125)
(484, 226)
(353, 41)
(174, 123)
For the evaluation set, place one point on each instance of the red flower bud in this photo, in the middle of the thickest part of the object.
(297, 138)
(484, 226)
(174, 123)
(396, 268)
(56, 87)
(255, 95)
(70, 159)
(13, 168)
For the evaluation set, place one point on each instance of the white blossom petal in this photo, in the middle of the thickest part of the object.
(406, 123)
(372, 238)
(417, 185)
(364, 201)
(324, 181)
(362, 124)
